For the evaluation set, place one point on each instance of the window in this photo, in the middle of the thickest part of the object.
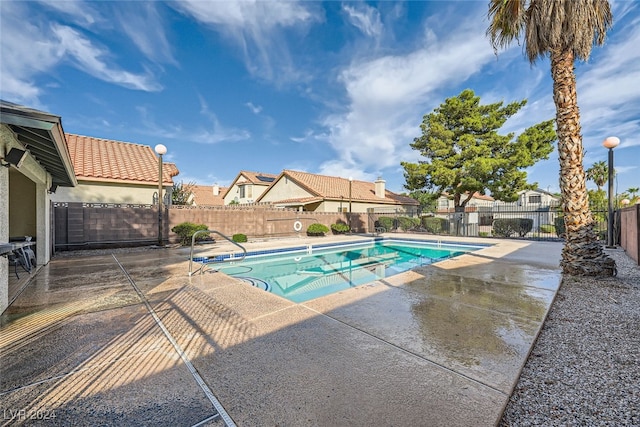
(535, 198)
(245, 190)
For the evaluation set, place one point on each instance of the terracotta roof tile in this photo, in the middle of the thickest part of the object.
(97, 159)
(203, 195)
(330, 187)
(259, 178)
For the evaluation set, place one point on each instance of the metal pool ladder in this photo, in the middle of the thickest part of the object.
(202, 268)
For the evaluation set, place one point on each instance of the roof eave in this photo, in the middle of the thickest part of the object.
(41, 133)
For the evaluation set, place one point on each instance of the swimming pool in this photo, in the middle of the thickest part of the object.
(304, 273)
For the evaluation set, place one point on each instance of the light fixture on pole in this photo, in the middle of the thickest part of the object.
(610, 143)
(160, 150)
(350, 185)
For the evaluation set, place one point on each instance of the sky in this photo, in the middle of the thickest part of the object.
(332, 88)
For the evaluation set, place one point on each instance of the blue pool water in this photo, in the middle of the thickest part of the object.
(305, 273)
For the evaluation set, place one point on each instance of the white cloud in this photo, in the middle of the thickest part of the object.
(254, 109)
(31, 50)
(387, 97)
(308, 135)
(608, 90)
(257, 28)
(142, 22)
(77, 9)
(211, 133)
(26, 52)
(216, 132)
(92, 60)
(365, 18)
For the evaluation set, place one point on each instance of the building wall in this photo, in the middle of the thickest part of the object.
(284, 189)
(531, 197)
(252, 192)
(446, 204)
(361, 207)
(22, 200)
(96, 192)
(25, 211)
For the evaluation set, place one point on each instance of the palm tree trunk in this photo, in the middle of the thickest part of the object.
(582, 253)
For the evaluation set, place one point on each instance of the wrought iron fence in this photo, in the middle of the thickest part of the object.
(533, 222)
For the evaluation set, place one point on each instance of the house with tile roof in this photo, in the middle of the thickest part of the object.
(445, 203)
(247, 187)
(321, 193)
(111, 171)
(207, 195)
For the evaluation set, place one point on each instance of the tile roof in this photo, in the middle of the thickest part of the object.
(203, 195)
(330, 187)
(258, 178)
(98, 159)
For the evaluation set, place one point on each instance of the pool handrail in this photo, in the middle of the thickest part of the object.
(193, 241)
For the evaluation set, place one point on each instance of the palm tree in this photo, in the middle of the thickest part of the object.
(633, 193)
(564, 30)
(598, 173)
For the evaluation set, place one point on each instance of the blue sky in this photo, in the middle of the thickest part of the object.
(335, 88)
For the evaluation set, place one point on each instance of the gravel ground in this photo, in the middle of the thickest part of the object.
(584, 369)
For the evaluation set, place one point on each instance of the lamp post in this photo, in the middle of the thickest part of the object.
(350, 185)
(160, 150)
(610, 143)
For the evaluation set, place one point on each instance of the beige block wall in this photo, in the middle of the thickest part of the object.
(91, 192)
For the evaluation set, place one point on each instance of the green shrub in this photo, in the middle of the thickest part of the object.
(407, 223)
(483, 233)
(339, 228)
(186, 230)
(239, 238)
(317, 229)
(559, 223)
(386, 222)
(525, 225)
(547, 228)
(435, 225)
(508, 226)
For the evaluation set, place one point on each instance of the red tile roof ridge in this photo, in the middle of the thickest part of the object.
(101, 159)
(105, 139)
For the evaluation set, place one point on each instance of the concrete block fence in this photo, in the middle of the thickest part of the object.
(95, 225)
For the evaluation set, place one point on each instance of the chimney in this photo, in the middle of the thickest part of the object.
(216, 190)
(380, 192)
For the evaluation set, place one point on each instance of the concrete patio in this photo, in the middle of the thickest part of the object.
(130, 339)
